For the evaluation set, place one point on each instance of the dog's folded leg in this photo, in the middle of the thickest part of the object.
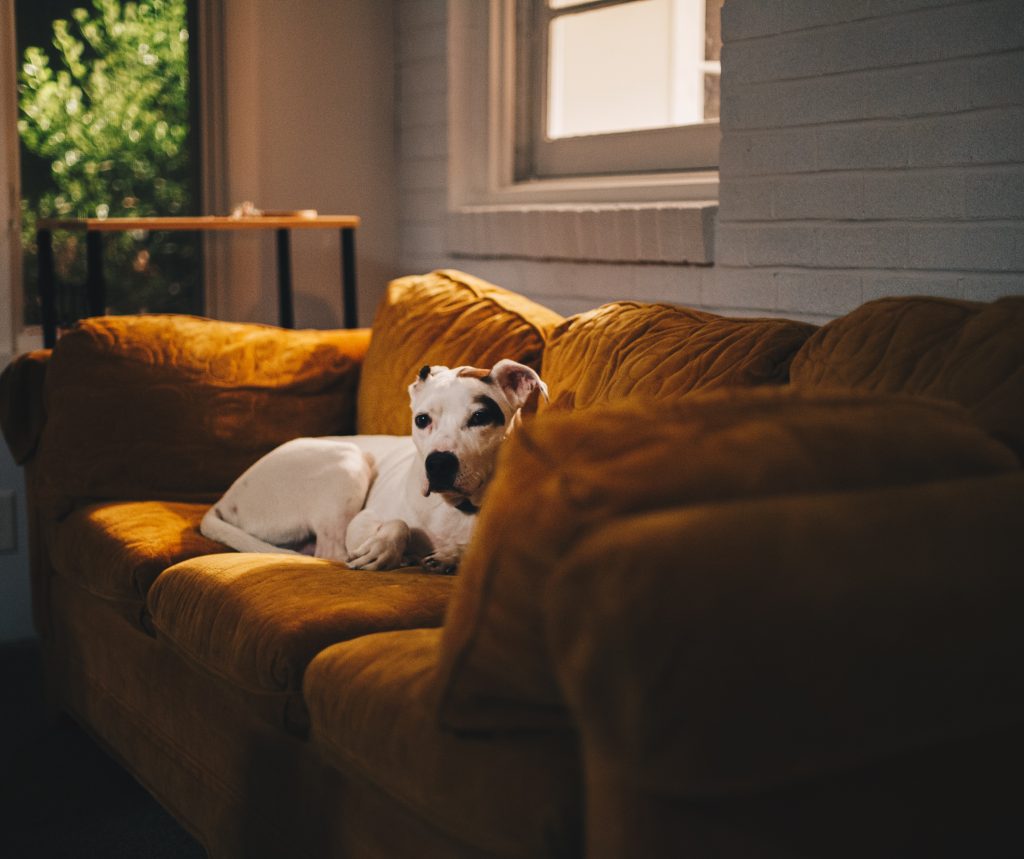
(376, 545)
(331, 531)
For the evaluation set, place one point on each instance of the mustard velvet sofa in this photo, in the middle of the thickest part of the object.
(742, 588)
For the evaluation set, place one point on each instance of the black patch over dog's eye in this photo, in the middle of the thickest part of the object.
(489, 414)
(424, 372)
(422, 420)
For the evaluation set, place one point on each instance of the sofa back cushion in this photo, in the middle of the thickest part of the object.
(658, 351)
(446, 317)
(563, 475)
(966, 352)
(177, 407)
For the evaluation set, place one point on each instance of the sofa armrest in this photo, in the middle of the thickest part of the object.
(21, 403)
(176, 407)
(738, 647)
(561, 477)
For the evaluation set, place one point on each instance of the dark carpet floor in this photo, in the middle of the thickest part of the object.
(61, 795)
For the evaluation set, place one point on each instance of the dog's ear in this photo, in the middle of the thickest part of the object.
(421, 377)
(517, 381)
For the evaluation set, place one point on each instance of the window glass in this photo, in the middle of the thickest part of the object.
(609, 69)
(632, 66)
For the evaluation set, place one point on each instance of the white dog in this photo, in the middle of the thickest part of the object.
(377, 501)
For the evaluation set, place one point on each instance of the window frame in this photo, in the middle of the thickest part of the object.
(482, 128)
(537, 156)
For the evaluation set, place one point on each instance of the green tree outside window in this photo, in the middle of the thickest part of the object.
(108, 111)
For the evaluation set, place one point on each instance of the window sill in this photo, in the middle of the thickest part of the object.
(676, 233)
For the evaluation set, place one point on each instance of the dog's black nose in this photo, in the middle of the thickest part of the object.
(442, 467)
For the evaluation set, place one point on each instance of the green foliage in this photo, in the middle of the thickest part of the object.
(109, 112)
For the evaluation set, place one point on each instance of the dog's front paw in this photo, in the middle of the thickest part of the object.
(440, 562)
(376, 553)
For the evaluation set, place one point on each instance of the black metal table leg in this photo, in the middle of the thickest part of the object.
(286, 315)
(348, 277)
(47, 291)
(95, 285)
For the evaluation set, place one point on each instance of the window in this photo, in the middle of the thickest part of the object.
(106, 113)
(540, 166)
(622, 86)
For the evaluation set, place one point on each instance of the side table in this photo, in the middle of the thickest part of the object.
(95, 285)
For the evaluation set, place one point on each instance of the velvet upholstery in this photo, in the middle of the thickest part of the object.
(256, 620)
(449, 318)
(241, 784)
(372, 702)
(177, 407)
(704, 612)
(772, 685)
(116, 550)
(963, 351)
(661, 352)
(563, 475)
(874, 628)
(22, 414)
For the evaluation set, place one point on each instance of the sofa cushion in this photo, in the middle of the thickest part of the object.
(565, 474)
(842, 629)
(964, 351)
(372, 708)
(657, 351)
(117, 549)
(177, 407)
(255, 620)
(449, 318)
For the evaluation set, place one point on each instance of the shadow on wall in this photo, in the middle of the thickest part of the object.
(15, 601)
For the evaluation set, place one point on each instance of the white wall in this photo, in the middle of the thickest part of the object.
(422, 130)
(309, 115)
(870, 147)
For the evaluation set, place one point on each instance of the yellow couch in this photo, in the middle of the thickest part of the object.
(743, 587)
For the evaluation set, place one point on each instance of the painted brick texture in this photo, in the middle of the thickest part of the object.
(870, 147)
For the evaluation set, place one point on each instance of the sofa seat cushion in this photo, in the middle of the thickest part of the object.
(446, 317)
(256, 620)
(967, 352)
(116, 550)
(564, 474)
(659, 351)
(373, 713)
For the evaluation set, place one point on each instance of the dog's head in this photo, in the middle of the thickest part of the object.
(460, 416)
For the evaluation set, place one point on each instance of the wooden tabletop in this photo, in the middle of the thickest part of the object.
(202, 222)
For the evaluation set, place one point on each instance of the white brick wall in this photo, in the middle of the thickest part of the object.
(566, 286)
(870, 148)
(422, 131)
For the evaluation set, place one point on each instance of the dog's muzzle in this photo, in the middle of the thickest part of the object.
(442, 468)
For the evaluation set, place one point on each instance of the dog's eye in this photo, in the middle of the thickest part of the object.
(489, 414)
(422, 420)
